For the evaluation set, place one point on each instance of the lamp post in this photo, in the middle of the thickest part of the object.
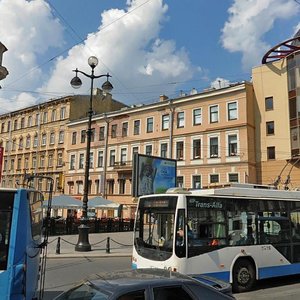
(83, 244)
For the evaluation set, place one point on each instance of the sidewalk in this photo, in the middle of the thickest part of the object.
(120, 245)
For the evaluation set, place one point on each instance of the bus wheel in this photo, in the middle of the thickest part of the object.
(243, 276)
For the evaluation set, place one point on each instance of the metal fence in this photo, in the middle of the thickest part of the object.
(63, 226)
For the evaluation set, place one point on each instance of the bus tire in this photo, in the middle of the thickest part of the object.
(243, 275)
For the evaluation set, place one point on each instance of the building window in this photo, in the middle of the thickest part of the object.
(81, 161)
(19, 164)
(232, 145)
(52, 138)
(114, 130)
(270, 128)
(21, 143)
(110, 186)
(149, 125)
(15, 124)
(214, 147)
(42, 161)
(124, 129)
(22, 123)
(271, 152)
(232, 110)
(29, 121)
(35, 141)
(180, 119)
(37, 119)
(214, 114)
(2, 127)
(26, 163)
(82, 136)
(44, 139)
(148, 150)
(100, 159)
(179, 181)
(50, 160)
(233, 177)
(196, 182)
(91, 160)
(112, 157)
(179, 150)
(165, 122)
(13, 145)
(59, 159)
(74, 137)
(136, 129)
(28, 142)
(214, 178)
(8, 126)
(62, 113)
(196, 149)
(163, 150)
(79, 187)
(92, 135)
(123, 157)
(122, 183)
(53, 115)
(134, 150)
(45, 117)
(197, 116)
(101, 133)
(33, 162)
(269, 103)
(61, 137)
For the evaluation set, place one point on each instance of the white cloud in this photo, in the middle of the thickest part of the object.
(248, 21)
(29, 31)
(127, 46)
(219, 83)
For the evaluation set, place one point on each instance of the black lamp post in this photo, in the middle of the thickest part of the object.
(83, 244)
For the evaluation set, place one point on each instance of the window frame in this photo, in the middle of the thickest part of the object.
(213, 114)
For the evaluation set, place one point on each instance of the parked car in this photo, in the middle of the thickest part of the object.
(146, 284)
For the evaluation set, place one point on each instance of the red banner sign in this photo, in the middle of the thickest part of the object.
(1, 161)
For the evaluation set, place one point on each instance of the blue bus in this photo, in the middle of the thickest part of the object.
(21, 246)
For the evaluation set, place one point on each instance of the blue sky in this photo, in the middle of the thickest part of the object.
(150, 47)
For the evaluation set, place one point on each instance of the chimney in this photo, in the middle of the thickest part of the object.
(97, 91)
(163, 97)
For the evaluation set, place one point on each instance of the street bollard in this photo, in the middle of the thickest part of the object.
(58, 246)
(108, 245)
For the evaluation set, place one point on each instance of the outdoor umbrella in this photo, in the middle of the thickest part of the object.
(64, 201)
(100, 202)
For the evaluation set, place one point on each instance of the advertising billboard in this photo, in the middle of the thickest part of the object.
(152, 175)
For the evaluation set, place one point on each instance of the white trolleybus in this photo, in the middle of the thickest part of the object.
(239, 234)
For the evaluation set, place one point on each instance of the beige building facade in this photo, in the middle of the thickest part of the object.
(277, 106)
(210, 134)
(34, 139)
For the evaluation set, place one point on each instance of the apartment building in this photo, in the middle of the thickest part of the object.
(211, 135)
(34, 138)
(277, 104)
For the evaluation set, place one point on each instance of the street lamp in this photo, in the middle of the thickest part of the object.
(83, 244)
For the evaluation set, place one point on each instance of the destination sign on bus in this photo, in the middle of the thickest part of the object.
(156, 203)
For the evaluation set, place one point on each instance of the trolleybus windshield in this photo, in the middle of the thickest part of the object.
(155, 226)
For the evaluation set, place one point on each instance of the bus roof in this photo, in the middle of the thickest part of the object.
(244, 191)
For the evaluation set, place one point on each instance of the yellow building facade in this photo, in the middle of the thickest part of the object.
(211, 135)
(277, 105)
